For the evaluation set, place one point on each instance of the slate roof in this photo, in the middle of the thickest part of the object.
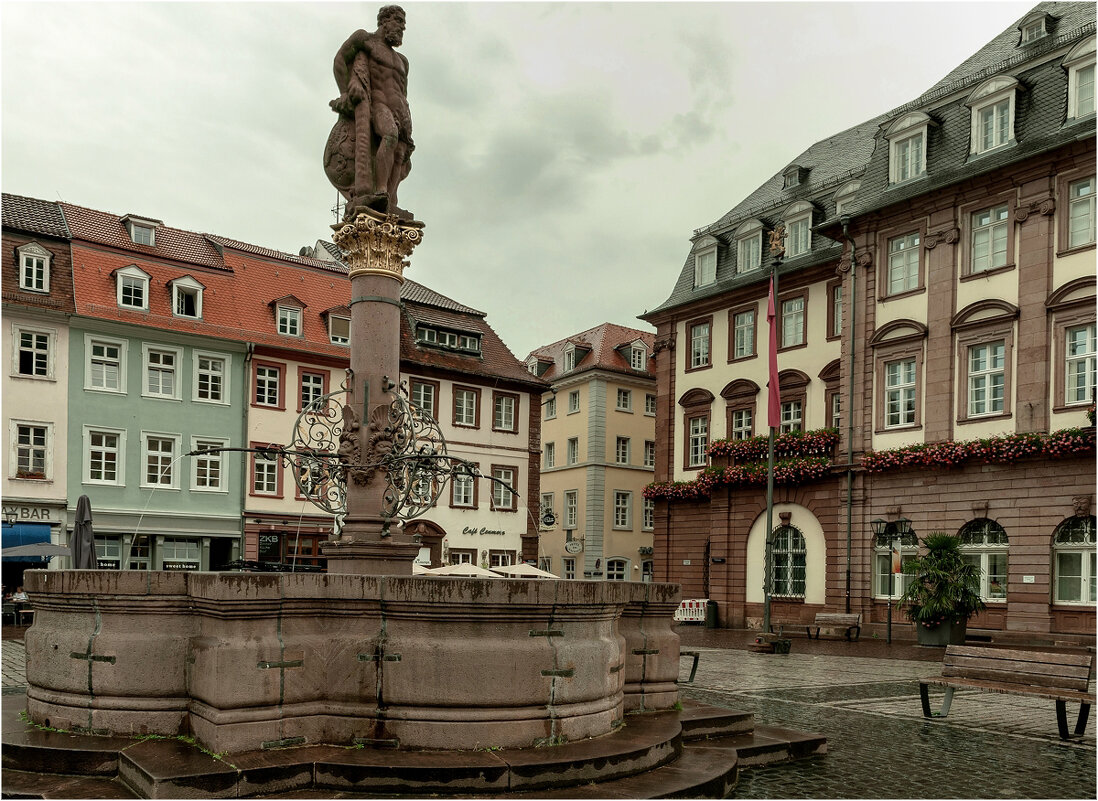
(33, 216)
(603, 341)
(860, 152)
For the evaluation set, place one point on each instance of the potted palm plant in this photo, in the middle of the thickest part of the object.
(943, 591)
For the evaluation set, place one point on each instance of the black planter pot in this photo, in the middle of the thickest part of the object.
(942, 635)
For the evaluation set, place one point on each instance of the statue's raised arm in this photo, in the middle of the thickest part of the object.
(369, 149)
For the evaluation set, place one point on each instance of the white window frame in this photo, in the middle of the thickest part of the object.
(785, 567)
(622, 450)
(573, 401)
(901, 393)
(307, 378)
(465, 408)
(187, 286)
(1081, 59)
(338, 339)
(697, 441)
(176, 441)
(197, 443)
(624, 401)
(289, 321)
(649, 453)
(50, 334)
(1081, 208)
(266, 378)
(705, 262)
(907, 147)
(568, 568)
(882, 563)
(617, 569)
(571, 509)
(148, 349)
(420, 392)
(637, 358)
(573, 450)
(550, 454)
(34, 267)
(699, 344)
(650, 404)
(546, 506)
(981, 554)
(90, 340)
(16, 446)
(845, 196)
(798, 229)
(983, 379)
(503, 413)
(743, 334)
(792, 321)
(551, 408)
(623, 510)
(269, 470)
(1080, 363)
(120, 451)
(1082, 546)
(743, 423)
(503, 499)
(136, 275)
(792, 413)
(464, 494)
(569, 359)
(749, 247)
(988, 97)
(648, 521)
(904, 253)
(196, 373)
(992, 233)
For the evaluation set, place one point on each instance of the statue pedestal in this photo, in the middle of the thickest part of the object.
(379, 558)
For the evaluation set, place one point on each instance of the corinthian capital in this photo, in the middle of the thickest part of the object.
(378, 243)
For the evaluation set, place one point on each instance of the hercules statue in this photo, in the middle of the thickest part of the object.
(369, 149)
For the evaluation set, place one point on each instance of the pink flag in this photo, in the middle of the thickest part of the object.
(774, 405)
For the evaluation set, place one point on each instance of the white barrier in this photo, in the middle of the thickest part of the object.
(691, 611)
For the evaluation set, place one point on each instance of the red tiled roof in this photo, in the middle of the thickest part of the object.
(33, 216)
(603, 341)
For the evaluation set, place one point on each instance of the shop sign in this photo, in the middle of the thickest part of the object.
(28, 512)
(108, 564)
(475, 530)
(179, 564)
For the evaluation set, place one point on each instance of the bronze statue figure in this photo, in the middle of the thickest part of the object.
(369, 149)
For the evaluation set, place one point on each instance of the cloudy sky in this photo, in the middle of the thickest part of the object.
(564, 151)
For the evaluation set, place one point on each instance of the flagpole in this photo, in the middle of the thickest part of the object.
(773, 416)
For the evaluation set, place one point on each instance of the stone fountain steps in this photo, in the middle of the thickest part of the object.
(693, 753)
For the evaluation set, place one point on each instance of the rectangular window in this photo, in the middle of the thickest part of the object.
(551, 408)
(267, 380)
(1084, 91)
(158, 460)
(550, 454)
(792, 322)
(312, 387)
(264, 474)
(208, 467)
(465, 407)
(289, 321)
(33, 274)
(104, 456)
(210, 378)
(986, 378)
(1081, 367)
(571, 508)
(105, 366)
(573, 450)
(900, 393)
(650, 404)
(625, 400)
(502, 496)
(797, 237)
(837, 310)
(836, 408)
(503, 414)
(903, 264)
(132, 292)
(545, 563)
(623, 509)
(792, 416)
(546, 506)
(749, 253)
(339, 330)
(743, 334)
(463, 488)
(994, 125)
(621, 450)
(649, 521)
(187, 301)
(160, 373)
(705, 268)
(1081, 213)
(649, 453)
(34, 354)
(141, 234)
(908, 157)
(699, 345)
(636, 358)
(742, 424)
(989, 239)
(569, 568)
(569, 360)
(31, 444)
(573, 401)
(698, 442)
(423, 396)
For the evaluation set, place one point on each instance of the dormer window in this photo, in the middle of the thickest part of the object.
(794, 175)
(570, 359)
(133, 288)
(1035, 26)
(34, 267)
(749, 246)
(705, 262)
(289, 321)
(186, 297)
(638, 356)
(426, 335)
(844, 198)
(1033, 31)
(1079, 64)
(907, 147)
(339, 329)
(798, 229)
(992, 107)
(532, 366)
(142, 230)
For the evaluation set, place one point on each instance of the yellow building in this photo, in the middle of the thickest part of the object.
(598, 452)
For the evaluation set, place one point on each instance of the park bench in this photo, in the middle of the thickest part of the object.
(694, 667)
(852, 622)
(1062, 677)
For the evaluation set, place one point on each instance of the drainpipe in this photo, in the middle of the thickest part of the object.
(244, 475)
(850, 405)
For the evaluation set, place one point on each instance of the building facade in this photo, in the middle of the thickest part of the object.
(598, 453)
(935, 316)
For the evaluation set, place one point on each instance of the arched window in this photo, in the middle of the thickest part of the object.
(788, 554)
(615, 569)
(984, 544)
(882, 561)
(1075, 561)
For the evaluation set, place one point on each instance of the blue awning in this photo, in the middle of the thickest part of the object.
(24, 534)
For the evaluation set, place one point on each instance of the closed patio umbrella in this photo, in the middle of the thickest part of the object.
(466, 569)
(523, 570)
(82, 544)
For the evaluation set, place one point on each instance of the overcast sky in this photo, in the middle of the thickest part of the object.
(564, 152)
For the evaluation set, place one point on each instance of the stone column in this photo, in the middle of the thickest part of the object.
(376, 247)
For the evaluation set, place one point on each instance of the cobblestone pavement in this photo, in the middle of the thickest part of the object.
(879, 744)
(14, 659)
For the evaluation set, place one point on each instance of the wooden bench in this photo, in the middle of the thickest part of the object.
(1062, 677)
(851, 622)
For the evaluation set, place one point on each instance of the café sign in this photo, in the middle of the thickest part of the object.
(180, 564)
(475, 530)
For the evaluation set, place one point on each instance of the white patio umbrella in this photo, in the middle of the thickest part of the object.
(523, 570)
(418, 569)
(466, 569)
